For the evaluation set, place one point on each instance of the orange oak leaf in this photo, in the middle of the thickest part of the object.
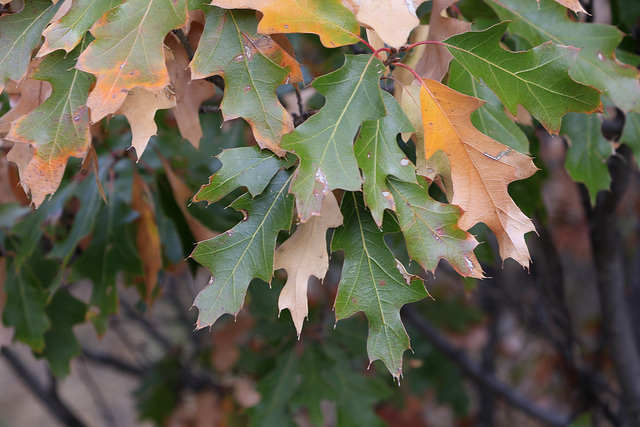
(140, 108)
(128, 51)
(148, 236)
(434, 62)
(304, 255)
(333, 22)
(189, 93)
(481, 168)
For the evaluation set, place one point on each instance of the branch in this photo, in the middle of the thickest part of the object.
(48, 396)
(616, 320)
(474, 372)
(108, 360)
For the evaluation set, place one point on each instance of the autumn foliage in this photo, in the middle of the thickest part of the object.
(418, 133)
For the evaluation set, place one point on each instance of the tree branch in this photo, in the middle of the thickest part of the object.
(475, 373)
(616, 320)
(48, 396)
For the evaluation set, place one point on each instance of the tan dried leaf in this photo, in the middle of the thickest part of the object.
(304, 255)
(189, 93)
(140, 108)
(435, 59)
(30, 94)
(183, 194)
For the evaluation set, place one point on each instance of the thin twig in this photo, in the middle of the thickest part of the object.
(109, 360)
(96, 395)
(475, 373)
(185, 43)
(47, 395)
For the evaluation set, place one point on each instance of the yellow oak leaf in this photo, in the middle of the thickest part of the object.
(481, 168)
(329, 19)
(148, 236)
(304, 255)
(140, 108)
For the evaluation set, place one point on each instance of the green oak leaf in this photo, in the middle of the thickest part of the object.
(631, 133)
(372, 283)
(324, 143)
(26, 300)
(61, 345)
(241, 167)
(252, 66)
(431, 229)
(19, 36)
(68, 31)
(489, 119)
(587, 151)
(596, 64)
(379, 156)
(244, 252)
(537, 79)
(327, 374)
(57, 129)
(112, 250)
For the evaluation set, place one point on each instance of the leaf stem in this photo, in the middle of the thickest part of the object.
(407, 47)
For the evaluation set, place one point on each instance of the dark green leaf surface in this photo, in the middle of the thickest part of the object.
(327, 373)
(489, 119)
(244, 252)
(67, 32)
(596, 64)
(324, 143)
(26, 300)
(379, 156)
(587, 152)
(19, 35)
(431, 229)
(253, 66)
(241, 167)
(61, 344)
(57, 129)
(372, 283)
(277, 388)
(537, 79)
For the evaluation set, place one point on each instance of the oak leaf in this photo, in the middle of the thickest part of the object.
(128, 51)
(324, 142)
(148, 236)
(252, 67)
(19, 36)
(329, 19)
(57, 129)
(372, 283)
(435, 59)
(244, 252)
(481, 168)
(189, 93)
(379, 156)
(393, 20)
(537, 79)
(31, 93)
(596, 63)
(140, 108)
(66, 32)
(303, 255)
